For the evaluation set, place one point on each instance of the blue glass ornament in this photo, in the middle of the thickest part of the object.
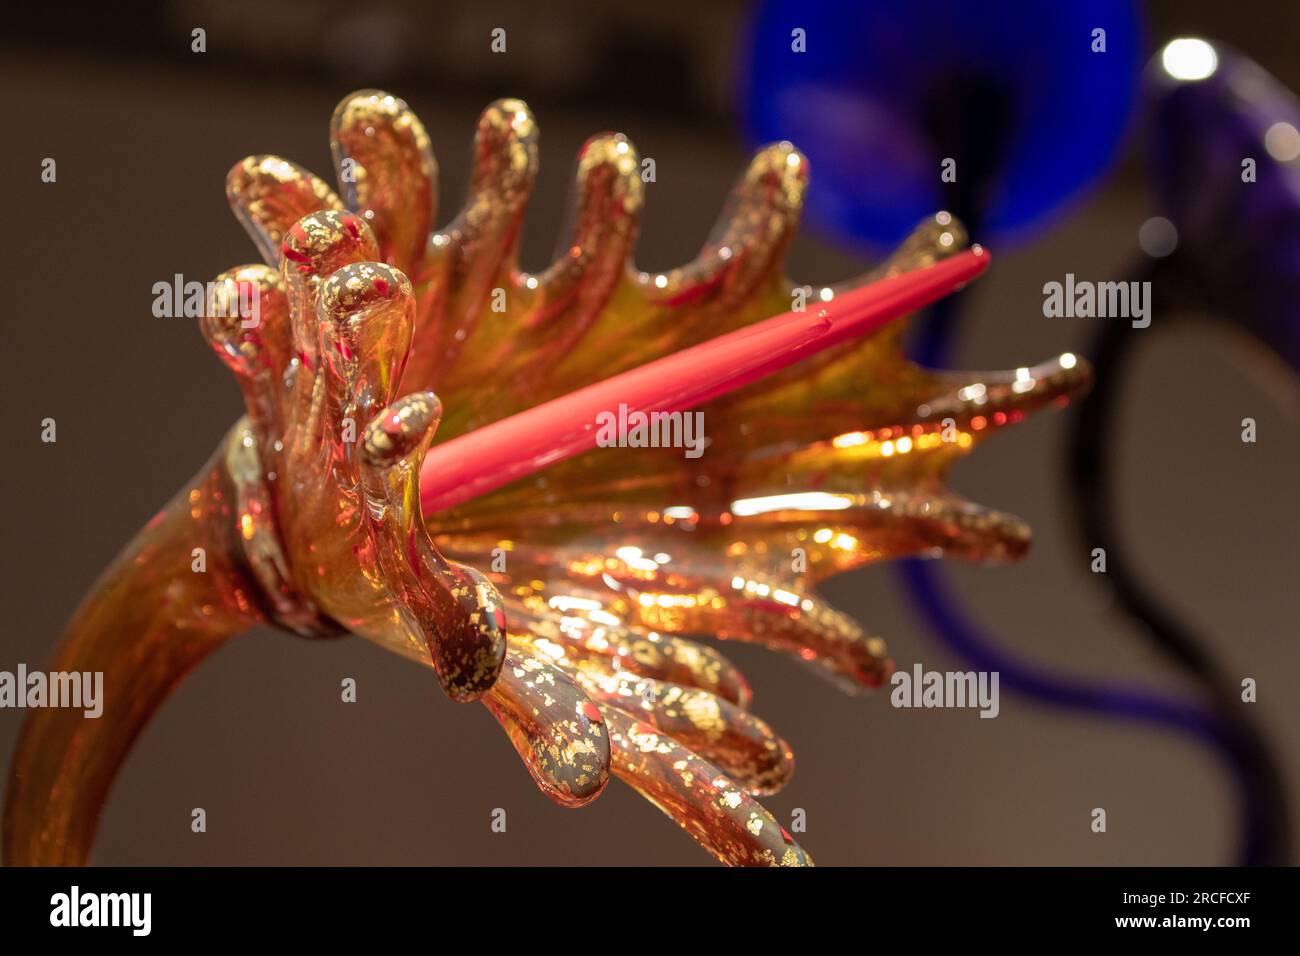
(883, 92)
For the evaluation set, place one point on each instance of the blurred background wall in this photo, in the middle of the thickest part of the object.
(144, 132)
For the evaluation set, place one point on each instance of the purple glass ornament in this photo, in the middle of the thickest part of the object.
(1225, 150)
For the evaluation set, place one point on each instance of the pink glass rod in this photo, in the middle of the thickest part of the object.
(522, 444)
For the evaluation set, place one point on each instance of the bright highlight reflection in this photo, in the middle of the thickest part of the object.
(805, 501)
(1188, 58)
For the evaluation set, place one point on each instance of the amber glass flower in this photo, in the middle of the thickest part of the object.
(568, 601)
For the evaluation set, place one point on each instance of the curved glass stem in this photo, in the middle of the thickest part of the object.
(157, 611)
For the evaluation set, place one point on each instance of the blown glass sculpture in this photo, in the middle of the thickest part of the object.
(558, 583)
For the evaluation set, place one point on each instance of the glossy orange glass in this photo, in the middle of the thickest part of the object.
(568, 602)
